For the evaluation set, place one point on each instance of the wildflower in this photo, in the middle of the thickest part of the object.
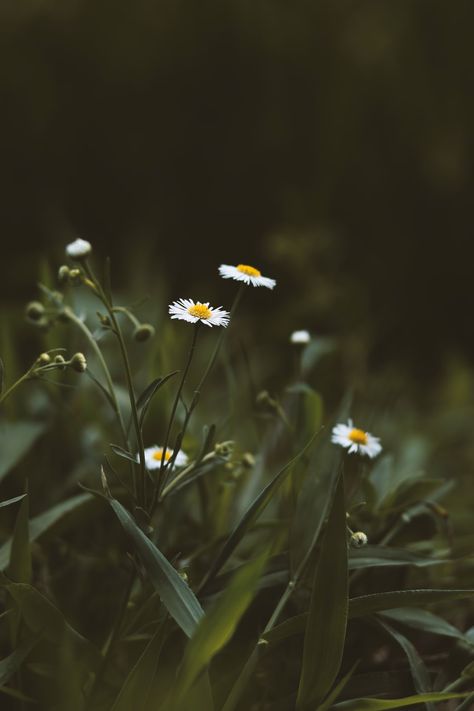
(79, 362)
(154, 456)
(78, 249)
(247, 274)
(300, 337)
(187, 310)
(355, 440)
(359, 539)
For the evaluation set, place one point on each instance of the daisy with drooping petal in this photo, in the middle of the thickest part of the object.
(300, 337)
(188, 310)
(355, 440)
(78, 249)
(247, 274)
(154, 455)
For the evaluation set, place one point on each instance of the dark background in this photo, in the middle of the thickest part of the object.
(328, 143)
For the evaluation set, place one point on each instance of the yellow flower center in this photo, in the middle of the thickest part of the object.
(358, 436)
(200, 311)
(250, 271)
(158, 455)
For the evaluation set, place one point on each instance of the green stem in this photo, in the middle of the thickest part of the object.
(139, 487)
(110, 386)
(162, 472)
(26, 376)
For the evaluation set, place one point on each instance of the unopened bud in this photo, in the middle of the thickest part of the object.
(248, 460)
(75, 277)
(143, 332)
(60, 361)
(224, 449)
(35, 311)
(359, 539)
(63, 274)
(79, 362)
(44, 359)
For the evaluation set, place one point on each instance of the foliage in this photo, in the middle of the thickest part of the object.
(231, 581)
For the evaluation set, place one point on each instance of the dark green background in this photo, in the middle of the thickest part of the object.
(328, 142)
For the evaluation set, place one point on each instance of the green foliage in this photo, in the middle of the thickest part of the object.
(224, 577)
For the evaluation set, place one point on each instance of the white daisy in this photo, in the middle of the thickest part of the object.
(355, 440)
(243, 272)
(154, 455)
(300, 337)
(188, 310)
(78, 249)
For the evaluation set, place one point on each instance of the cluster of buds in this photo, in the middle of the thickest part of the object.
(46, 363)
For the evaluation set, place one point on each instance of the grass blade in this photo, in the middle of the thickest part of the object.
(19, 569)
(386, 704)
(175, 594)
(327, 618)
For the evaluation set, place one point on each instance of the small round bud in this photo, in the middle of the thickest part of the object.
(75, 277)
(359, 539)
(300, 337)
(143, 332)
(44, 359)
(79, 362)
(35, 311)
(263, 398)
(63, 274)
(60, 361)
(79, 249)
(248, 460)
(224, 449)
(105, 321)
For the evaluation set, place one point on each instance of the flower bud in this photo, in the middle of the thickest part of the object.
(63, 274)
(143, 332)
(224, 449)
(35, 311)
(44, 359)
(60, 361)
(248, 460)
(75, 277)
(79, 249)
(359, 539)
(79, 362)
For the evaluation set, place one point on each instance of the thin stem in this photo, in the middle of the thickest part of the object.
(163, 466)
(139, 487)
(110, 385)
(26, 376)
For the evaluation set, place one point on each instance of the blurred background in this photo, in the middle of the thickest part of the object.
(327, 143)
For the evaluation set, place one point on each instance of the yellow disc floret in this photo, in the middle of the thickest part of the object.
(200, 311)
(249, 271)
(358, 436)
(158, 455)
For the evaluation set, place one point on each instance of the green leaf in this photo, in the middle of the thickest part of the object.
(44, 619)
(145, 398)
(16, 439)
(136, 689)
(327, 618)
(257, 506)
(418, 670)
(368, 604)
(425, 621)
(121, 452)
(385, 704)
(219, 624)
(41, 523)
(19, 569)
(10, 665)
(175, 594)
(336, 691)
(8, 502)
(380, 556)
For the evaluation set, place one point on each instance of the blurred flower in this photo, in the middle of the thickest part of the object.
(359, 539)
(187, 310)
(243, 272)
(300, 337)
(78, 249)
(154, 455)
(356, 440)
(143, 332)
(35, 311)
